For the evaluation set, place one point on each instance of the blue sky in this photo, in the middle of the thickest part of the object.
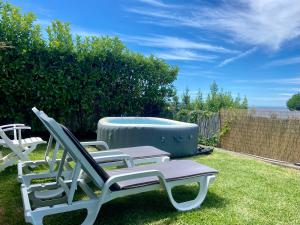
(248, 47)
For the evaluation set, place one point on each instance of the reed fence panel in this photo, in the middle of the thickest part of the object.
(266, 133)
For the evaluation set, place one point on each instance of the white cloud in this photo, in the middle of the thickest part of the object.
(286, 81)
(156, 3)
(269, 99)
(182, 54)
(36, 8)
(85, 33)
(199, 73)
(232, 59)
(286, 94)
(266, 22)
(152, 13)
(284, 62)
(284, 89)
(43, 22)
(295, 89)
(174, 43)
(74, 29)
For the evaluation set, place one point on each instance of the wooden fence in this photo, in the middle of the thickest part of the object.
(208, 125)
(267, 134)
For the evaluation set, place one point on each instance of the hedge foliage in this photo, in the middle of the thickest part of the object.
(294, 102)
(75, 79)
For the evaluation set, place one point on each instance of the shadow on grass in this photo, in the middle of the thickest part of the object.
(136, 209)
(11, 206)
(140, 209)
(152, 206)
(9, 172)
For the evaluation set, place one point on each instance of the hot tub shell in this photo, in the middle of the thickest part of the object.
(177, 138)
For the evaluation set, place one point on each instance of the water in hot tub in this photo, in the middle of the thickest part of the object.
(140, 121)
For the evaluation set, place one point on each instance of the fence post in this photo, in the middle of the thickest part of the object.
(220, 126)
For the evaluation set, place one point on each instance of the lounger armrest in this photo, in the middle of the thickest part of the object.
(129, 176)
(16, 128)
(17, 131)
(95, 143)
(108, 158)
(12, 125)
(106, 153)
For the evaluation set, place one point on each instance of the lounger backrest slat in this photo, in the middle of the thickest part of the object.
(71, 144)
(100, 171)
(50, 160)
(84, 152)
(38, 114)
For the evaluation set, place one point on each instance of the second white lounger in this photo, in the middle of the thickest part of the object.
(20, 147)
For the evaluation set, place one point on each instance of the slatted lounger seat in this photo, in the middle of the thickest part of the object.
(28, 141)
(140, 154)
(174, 170)
(112, 183)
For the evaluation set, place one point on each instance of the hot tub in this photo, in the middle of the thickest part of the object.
(177, 138)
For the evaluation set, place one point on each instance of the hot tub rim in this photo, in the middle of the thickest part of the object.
(176, 124)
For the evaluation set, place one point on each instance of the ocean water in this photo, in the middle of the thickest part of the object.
(279, 112)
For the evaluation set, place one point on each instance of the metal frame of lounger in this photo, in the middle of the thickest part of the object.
(61, 197)
(20, 147)
(106, 158)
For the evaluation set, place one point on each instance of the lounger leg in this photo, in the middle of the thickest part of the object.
(92, 214)
(38, 220)
(89, 220)
(188, 205)
(29, 149)
(36, 217)
(8, 162)
(165, 159)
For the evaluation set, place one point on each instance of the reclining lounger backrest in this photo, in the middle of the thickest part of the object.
(71, 144)
(8, 142)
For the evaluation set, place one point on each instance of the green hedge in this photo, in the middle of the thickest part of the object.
(76, 80)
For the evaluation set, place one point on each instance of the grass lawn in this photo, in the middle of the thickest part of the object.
(246, 191)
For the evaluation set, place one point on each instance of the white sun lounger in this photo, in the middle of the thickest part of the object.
(20, 147)
(113, 157)
(40, 200)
